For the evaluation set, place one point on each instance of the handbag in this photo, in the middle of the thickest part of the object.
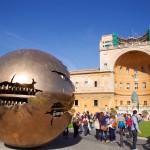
(114, 124)
(103, 128)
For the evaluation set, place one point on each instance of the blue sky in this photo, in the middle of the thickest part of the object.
(69, 29)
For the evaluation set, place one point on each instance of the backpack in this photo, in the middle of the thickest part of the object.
(121, 124)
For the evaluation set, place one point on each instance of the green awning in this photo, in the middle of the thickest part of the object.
(115, 39)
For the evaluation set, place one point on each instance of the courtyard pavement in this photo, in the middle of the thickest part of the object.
(87, 143)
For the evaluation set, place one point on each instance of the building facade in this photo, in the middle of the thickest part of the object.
(124, 72)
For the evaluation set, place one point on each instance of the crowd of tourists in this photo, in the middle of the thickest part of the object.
(107, 125)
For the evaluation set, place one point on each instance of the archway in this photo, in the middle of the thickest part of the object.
(132, 73)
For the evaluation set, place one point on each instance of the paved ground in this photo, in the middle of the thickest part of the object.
(86, 143)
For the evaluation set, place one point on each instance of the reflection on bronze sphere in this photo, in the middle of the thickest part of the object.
(35, 96)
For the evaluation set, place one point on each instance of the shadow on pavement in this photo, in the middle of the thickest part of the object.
(59, 142)
(146, 146)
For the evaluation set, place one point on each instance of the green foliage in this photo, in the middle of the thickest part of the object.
(70, 125)
(144, 113)
(113, 111)
(144, 128)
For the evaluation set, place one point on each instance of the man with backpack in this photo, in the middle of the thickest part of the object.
(135, 129)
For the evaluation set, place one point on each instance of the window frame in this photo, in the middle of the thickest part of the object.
(95, 102)
(95, 83)
(75, 102)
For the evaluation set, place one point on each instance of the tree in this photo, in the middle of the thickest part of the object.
(113, 111)
(145, 114)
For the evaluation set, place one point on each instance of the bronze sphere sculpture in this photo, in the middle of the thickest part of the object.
(36, 94)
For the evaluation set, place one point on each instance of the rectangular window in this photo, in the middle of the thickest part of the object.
(95, 83)
(144, 85)
(145, 103)
(142, 69)
(86, 84)
(76, 102)
(121, 102)
(105, 66)
(135, 70)
(136, 85)
(76, 85)
(128, 102)
(120, 69)
(128, 85)
(120, 85)
(127, 70)
(95, 102)
(115, 84)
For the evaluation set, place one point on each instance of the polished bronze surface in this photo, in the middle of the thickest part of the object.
(35, 96)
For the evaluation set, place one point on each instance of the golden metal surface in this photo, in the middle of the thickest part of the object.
(35, 96)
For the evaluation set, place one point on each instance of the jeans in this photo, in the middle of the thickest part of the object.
(134, 134)
(130, 132)
(103, 135)
(86, 130)
(97, 133)
(112, 134)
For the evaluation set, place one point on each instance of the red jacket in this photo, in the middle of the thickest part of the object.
(129, 122)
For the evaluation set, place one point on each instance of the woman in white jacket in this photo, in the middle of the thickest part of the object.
(97, 125)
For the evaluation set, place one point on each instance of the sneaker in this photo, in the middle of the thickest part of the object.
(135, 149)
(114, 141)
(107, 141)
(103, 141)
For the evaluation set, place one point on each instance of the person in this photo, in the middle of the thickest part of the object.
(112, 127)
(85, 125)
(135, 129)
(121, 126)
(121, 122)
(65, 133)
(129, 124)
(76, 121)
(89, 118)
(96, 125)
(103, 128)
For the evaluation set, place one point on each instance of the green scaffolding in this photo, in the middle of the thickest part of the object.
(115, 39)
(148, 33)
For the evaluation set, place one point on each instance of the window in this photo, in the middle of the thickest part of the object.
(76, 85)
(135, 70)
(95, 83)
(120, 69)
(142, 69)
(128, 85)
(145, 103)
(136, 85)
(128, 102)
(144, 85)
(85, 83)
(76, 102)
(120, 85)
(121, 102)
(95, 102)
(105, 65)
(127, 70)
(115, 84)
